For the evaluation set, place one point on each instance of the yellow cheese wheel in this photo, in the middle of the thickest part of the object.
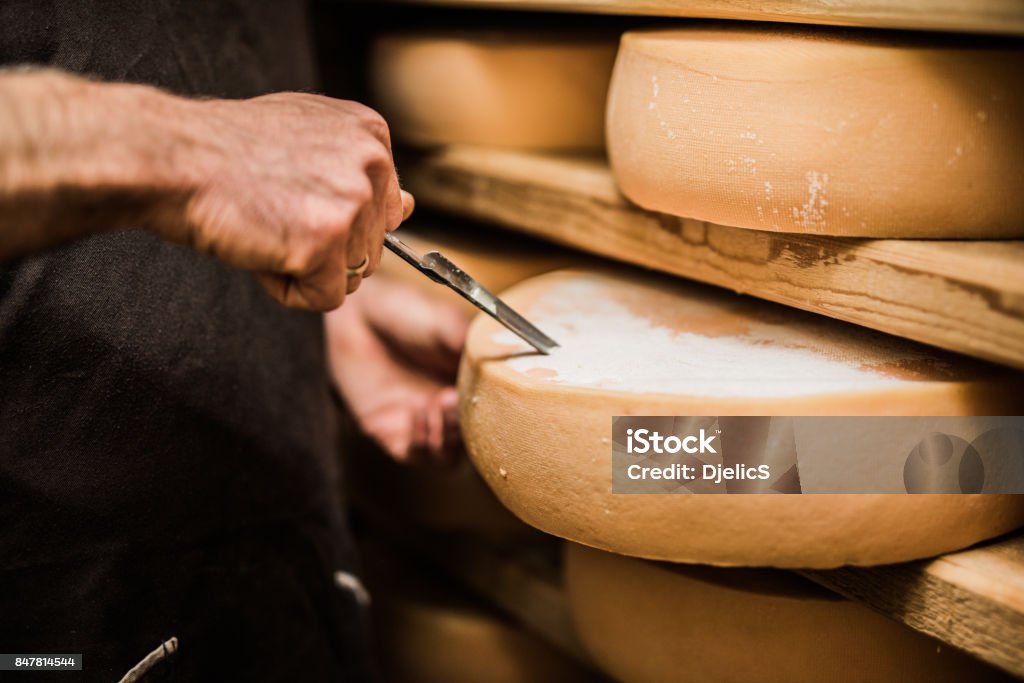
(431, 632)
(647, 622)
(807, 131)
(517, 89)
(539, 428)
(451, 499)
(424, 642)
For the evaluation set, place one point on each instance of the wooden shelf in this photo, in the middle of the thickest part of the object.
(976, 16)
(972, 599)
(959, 295)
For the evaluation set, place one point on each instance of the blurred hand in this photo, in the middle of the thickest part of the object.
(295, 187)
(393, 354)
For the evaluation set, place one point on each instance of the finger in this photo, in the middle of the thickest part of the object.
(398, 438)
(428, 332)
(309, 294)
(449, 401)
(420, 431)
(276, 285)
(357, 251)
(408, 204)
(453, 448)
(387, 209)
(322, 289)
(394, 206)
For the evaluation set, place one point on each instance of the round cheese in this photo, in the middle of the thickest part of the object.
(515, 89)
(429, 632)
(646, 622)
(438, 643)
(539, 428)
(834, 133)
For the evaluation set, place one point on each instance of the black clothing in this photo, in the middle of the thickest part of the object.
(167, 435)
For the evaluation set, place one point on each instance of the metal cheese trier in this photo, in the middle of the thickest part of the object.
(438, 268)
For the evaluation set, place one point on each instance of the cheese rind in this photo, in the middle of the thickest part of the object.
(539, 428)
(513, 89)
(805, 131)
(646, 622)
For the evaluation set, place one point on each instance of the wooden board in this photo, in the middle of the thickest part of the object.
(972, 599)
(958, 295)
(981, 16)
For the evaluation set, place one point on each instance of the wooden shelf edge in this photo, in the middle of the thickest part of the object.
(962, 296)
(1003, 17)
(972, 600)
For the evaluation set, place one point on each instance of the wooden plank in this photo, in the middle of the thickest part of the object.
(975, 16)
(962, 296)
(972, 599)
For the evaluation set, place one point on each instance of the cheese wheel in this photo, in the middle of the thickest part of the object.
(516, 89)
(430, 632)
(539, 428)
(438, 643)
(451, 499)
(808, 131)
(646, 622)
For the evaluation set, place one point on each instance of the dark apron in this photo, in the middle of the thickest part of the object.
(167, 476)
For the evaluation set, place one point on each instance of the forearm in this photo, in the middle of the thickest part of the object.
(294, 187)
(78, 157)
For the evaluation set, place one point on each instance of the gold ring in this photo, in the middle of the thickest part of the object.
(360, 269)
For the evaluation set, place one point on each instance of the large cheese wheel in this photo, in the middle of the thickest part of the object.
(451, 499)
(539, 428)
(519, 89)
(431, 632)
(646, 622)
(807, 131)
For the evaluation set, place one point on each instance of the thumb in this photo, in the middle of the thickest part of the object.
(408, 204)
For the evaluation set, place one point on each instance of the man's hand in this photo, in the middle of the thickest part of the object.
(294, 187)
(393, 354)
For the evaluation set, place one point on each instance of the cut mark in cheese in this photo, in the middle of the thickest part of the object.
(605, 343)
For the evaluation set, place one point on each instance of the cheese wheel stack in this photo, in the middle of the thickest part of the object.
(826, 132)
(539, 427)
(517, 89)
(647, 622)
